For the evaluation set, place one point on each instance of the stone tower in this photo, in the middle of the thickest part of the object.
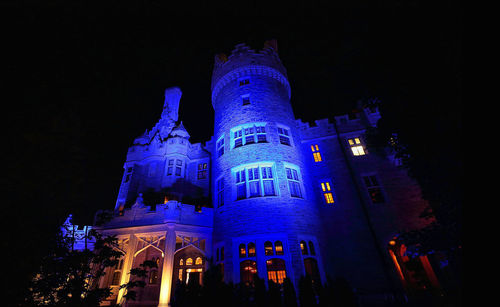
(264, 206)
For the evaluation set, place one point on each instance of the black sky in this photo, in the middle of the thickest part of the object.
(87, 79)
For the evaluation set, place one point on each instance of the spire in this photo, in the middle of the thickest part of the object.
(171, 104)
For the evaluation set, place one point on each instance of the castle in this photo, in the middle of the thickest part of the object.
(268, 194)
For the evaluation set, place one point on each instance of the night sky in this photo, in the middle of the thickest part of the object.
(84, 80)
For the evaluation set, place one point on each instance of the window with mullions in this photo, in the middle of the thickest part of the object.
(374, 189)
(249, 135)
(326, 189)
(220, 192)
(316, 153)
(284, 135)
(255, 181)
(293, 182)
(356, 147)
(220, 146)
(202, 170)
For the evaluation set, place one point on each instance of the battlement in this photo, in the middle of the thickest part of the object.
(244, 61)
(346, 123)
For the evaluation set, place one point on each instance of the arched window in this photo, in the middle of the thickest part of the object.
(276, 270)
(278, 246)
(243, 250)
(251, 249)
(189, 261)
(311, 268)
(181, 262)
(198, 261)
(311, 249)
(303, 248)
(247, 270)
(268, 248)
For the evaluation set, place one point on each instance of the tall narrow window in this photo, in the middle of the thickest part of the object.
(268, 248)
(220, 192)
(326, 189)
(220, 146)
(241, 185)
(178, 167)
(238, 140)
(293, 182)
(243, 250)
(284, 136)
(253, 181)
(202, 170)
(356, 147)
(303, 248)
(251, 249)
(170, 166)
(374, 189)
(267, 180)
(276, 270)
(128, 174)
(278, 246)
(316, 153)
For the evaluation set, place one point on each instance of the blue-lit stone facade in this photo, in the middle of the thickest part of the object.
(267, 194)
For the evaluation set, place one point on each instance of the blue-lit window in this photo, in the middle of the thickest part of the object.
(202, 170)
(245, 99)
(170, 167)
(293, 182)
(220, 192)
(220, 146)
(248, 134)
(284, 135)
(255, 181)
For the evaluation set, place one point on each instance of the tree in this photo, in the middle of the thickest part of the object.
(69, 277)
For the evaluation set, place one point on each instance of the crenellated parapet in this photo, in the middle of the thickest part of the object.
(346, 123)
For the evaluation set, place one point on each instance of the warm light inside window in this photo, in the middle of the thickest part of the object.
(189, 261)
(356, 147)
(316, 153)
(329, 198)
(198, 261)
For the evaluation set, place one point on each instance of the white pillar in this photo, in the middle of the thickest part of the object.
(168, 266)
(127, 265)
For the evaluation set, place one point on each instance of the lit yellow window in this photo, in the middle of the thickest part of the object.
(327, 192)
(316, 153)
(198, 261)
(189, 261)
(356, 147)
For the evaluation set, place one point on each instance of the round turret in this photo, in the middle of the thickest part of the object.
(261, 188)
